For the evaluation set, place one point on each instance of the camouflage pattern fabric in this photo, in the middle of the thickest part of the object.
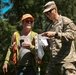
(62, 47)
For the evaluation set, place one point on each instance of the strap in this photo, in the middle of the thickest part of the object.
(14, 49)
(32, 35)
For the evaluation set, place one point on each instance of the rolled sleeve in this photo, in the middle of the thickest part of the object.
(7, 58)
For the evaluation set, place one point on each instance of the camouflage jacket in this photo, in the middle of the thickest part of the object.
(62, 47)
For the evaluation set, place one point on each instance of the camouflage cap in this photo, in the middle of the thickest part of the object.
(69, 66)
(49, 6)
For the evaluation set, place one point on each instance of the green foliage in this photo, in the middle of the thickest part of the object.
(41, 23)
(75, 43)
(6, 31)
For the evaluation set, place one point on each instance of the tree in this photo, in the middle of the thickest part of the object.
(41, 23)
(6, 31)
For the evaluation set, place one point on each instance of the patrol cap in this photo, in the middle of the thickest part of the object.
(49, 6)
(69, 66)
(25, 16)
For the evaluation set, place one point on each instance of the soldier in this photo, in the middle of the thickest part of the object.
(62, 50)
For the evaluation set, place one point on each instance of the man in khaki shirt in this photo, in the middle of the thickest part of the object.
(62, 50)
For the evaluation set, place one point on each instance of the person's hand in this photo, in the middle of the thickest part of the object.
(4, 68)
(26, 44)
(49, 34)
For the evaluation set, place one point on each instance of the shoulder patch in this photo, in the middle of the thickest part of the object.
(72, 26)
(67, 20)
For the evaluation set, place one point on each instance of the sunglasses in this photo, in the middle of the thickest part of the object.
(28, 21)
(47, 13)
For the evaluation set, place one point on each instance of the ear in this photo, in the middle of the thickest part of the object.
(56, 9)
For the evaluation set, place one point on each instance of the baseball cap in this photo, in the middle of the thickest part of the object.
(25, 16)
(49, 6)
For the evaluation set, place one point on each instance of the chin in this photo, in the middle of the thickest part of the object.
(29, 27)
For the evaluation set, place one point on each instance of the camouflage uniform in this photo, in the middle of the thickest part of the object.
(62, 56)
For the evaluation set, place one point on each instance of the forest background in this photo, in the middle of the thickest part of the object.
(35, 7)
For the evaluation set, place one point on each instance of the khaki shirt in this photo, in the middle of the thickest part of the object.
(62, 47)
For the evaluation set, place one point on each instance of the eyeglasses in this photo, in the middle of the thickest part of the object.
(28, 21)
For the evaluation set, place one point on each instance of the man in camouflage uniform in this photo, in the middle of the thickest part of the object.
(61, 43)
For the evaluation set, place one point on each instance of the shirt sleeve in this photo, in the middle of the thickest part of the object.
(68, 32)
(7, 58)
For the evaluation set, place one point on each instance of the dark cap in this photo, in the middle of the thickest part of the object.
(49, 6)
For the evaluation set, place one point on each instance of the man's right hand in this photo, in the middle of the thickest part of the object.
(5, 68)
(49, 34)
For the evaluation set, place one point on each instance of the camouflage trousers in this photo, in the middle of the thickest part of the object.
(61, 69)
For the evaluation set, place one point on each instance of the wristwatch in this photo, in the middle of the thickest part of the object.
(56, 34)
